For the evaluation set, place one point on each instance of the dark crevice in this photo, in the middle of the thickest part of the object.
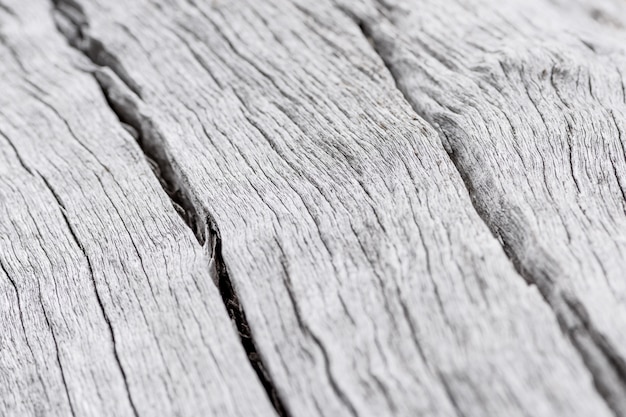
(123, 96)
(71, 21)
(606, 366)
(238, 316)
(204, 228)
(151, 142)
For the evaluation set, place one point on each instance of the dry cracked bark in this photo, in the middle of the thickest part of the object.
(334, 213)
(528, 98)
(107, 302)
(330, 225)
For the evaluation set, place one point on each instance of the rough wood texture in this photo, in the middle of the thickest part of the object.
(106, 303)
(371, 285)
(529, 100)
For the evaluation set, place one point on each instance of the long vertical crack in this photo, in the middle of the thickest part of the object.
(605, 365)
(72, 23)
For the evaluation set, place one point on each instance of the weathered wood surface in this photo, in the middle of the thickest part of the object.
(106, 302)
(529, 100)
(345, 166)
(371, 285)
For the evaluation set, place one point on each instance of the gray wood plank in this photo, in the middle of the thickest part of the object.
(528, 97)
(107, 307)
(371, 285)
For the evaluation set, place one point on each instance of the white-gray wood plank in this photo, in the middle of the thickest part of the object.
(528, 97)
(371, 285)
(107, 307)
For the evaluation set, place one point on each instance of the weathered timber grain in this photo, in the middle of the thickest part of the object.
(528, 98)
(371, 285)
(107, 307)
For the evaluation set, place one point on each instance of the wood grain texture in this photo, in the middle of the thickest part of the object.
(371, 285)
(107, 307)
(528, 98)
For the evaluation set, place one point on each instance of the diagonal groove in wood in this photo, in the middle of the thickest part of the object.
(63, 211)
(123, 96)
(97, 293)
(601, 359)
(23, 327)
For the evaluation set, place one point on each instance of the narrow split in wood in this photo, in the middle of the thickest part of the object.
(106, 300)
(532, 118)
(282, 123)
(72, 23)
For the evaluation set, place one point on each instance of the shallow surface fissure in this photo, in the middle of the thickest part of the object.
(600, 359)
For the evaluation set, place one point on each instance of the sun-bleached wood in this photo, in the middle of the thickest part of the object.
(106, 303)
(371, 285)
(529, 99)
